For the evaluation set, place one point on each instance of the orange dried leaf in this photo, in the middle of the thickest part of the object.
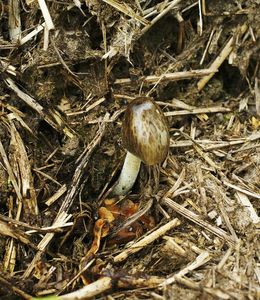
(255, 123)
(105, 214)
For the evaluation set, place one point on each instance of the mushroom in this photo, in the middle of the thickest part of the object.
(145, 136)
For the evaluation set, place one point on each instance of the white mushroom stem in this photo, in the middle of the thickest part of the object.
(128, 175)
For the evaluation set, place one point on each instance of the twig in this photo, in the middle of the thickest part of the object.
(127, 10)
(11, 287)
(39, 109)
(18, 115)
(82, 162)
(106, 283)
(46, 176)
(215, 292)
(63, 216)
(34, 229)
(158, 17)
(220, 59)
(257, 96)
(14, 21)
(177, 184)
(196, 219)
(57, 195)
(151, 79)
(196, 111)
(48, 22)
(33, 33)
(200, 18)
(10, 231)
(62, 60)
(89, 108)
(243, 191)
(89, 291)
(243, 199)
(46, 14)
(26, 98)
(200, 260)
(206, 157)
(7, 67)
(84, 269)
(207, 46)
(146, 240)
(173, 246)
(224, 258)
(213, 145)
(60, 220)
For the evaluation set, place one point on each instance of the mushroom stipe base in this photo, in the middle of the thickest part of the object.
(128, 175)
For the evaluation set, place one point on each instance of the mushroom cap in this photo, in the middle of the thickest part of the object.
(145, 131)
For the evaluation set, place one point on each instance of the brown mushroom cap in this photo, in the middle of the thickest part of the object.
(145, 131)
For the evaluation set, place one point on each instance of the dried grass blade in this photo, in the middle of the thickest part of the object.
(11, 287)
(14, 20)
(89, 291)
(257, 96)
(46, 14)
(63, 216)
(10, 172)
(243, 199)
(24, 170)
(196, 111)
(177, 184)
(171, 6)
(39, 109)
(200, 260)
(32, 34)
(196, 219)
(56, 195)
(221, 58)
(242, 190)
(153, 79)
(61, 220)
(127, 10)
(10, 231)
(147, 240)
